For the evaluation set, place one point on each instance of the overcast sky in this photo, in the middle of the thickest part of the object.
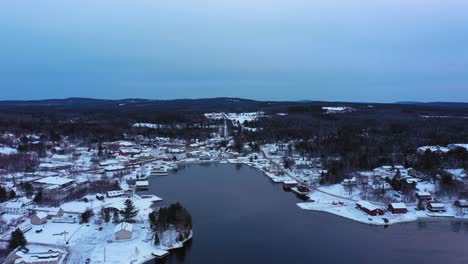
(337, 50)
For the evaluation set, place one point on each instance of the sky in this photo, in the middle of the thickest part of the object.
(332, 50)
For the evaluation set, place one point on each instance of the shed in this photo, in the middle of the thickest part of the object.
(436, 207)
(397, 208)
(369, 208)
(461, 203)
(424, 196)
(39, 218)
(123, 231)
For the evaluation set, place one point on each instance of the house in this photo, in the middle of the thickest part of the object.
(349, 182)
(60, 158)
(123, 231)
(53, 181)
(52, 212)
(100, 197)
(369, 208)
(178, 154)
(397, 208)
(436, 207)
(423, 196)
(141, 185)
(114, 194)
(435, 149)
(129, 193)
(23, 256)
(461, 203)
(288, 184)
(39, 218)
(14, 208)
(113, 168)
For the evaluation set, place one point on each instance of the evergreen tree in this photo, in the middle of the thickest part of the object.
(116, 218)
(86, 216)
(107, 216)
(130, 211)
(100, 150)
(153, 220)
(3, 194)
(28, 189)
(12, 194)
(17, 239)
(38, 197)
(420, 205)
(156, 238)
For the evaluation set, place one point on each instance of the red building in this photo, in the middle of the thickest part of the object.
(369, 208)
(423, 196)
(397, 208)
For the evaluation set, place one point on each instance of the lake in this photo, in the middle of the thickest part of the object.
(240, 216)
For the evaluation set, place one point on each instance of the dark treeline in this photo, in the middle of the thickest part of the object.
(174, 217)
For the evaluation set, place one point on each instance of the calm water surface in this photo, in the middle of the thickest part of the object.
(240, 216)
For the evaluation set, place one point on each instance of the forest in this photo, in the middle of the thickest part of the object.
(371, 136)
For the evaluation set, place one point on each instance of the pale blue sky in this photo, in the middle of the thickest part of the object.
(367, 50)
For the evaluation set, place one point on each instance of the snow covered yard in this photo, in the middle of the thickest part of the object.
(340, 190)
(101, 247)
(52, 233)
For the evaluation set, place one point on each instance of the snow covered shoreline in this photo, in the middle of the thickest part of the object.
(323, 199)
(166, 249)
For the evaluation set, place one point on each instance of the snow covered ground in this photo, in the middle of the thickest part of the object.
(348, 210)
(7, 150)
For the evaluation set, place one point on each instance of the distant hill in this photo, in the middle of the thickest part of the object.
(436, 104)
(210, 105)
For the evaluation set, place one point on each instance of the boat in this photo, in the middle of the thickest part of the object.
(159, 171)
(301, 192)
(141, 185)
(287, 185)
(159, 253)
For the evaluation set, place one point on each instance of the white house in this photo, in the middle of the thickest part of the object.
(14, 208)
(39, 218)
(24, 256)
(123, 231)
(178, 154)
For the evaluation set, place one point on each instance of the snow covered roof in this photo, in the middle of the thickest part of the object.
(41, 215)
(115, 193)
(367, 205)
(48, 210)
(14, 204)
(290, 182)
(398, 205)
(54, 181)
(60, 157)
(114, 167)
(123, 226)
(54, 165)
(39, 258)
(423, 194)
(437, 205)
(141, 183)
(7, 150)
(433, 149)
(146, 125)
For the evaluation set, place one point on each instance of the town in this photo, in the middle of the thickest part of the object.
(63, 202)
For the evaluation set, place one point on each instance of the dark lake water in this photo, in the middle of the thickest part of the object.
(240, 216)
